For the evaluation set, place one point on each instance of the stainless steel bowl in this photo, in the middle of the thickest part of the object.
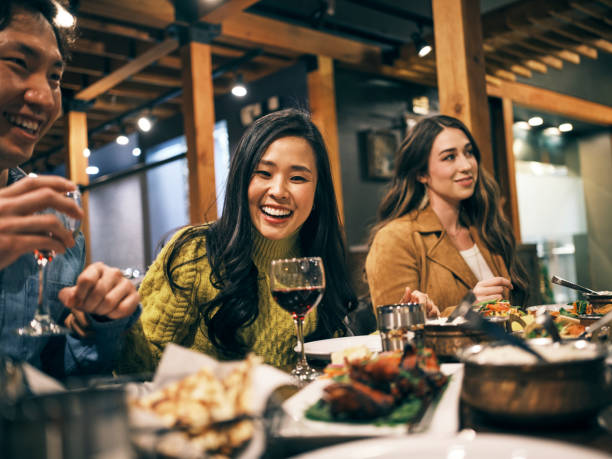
(551, 391)
(447, 340)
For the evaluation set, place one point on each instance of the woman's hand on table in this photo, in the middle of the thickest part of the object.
(491, 289)
(414, 296)
(103, 291)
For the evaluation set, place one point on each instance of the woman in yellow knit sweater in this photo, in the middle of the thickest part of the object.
(209, 288)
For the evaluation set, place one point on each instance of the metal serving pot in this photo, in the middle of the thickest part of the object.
(88, 423)
(550, 391)
(447, 339)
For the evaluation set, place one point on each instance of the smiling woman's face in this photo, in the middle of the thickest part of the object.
(452, 168)
(282, 188)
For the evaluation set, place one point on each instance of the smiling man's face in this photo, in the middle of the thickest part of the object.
(31, 68)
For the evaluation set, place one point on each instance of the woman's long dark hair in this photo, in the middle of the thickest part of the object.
(483, 209)
(229, 240)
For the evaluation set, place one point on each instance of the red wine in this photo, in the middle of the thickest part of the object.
(298, 301)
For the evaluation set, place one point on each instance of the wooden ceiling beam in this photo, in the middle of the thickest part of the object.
(534, 52)
(564, 45)
(227, 10)
(128, 70)
(114, 29)
(554, 102)
(150, 13)
(270, 32)
(529, 60)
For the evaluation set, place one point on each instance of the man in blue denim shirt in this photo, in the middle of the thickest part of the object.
(96, 302)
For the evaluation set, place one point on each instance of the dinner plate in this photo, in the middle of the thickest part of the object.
(466, 445)
(323, 349)
(441, 417)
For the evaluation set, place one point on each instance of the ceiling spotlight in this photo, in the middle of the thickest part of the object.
(535, 121)
(422, 47)
(522, 125)
(122, 139)
(239, 89)
(551, 131)
(92, 170)
(144, 123)
(63, 18)
(565, 127)
(136, 151)
(86, 152)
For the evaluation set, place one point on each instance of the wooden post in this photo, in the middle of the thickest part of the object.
(461, 69)
(76, 165)
(199, 123)
(322, 97)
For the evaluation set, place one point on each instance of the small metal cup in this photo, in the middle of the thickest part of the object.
(399, 324)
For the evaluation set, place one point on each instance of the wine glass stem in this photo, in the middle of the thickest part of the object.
(299, 321)
(41, 310)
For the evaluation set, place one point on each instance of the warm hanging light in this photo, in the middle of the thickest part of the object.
(239, 89)
(136, 151)
(92, 170)
(565, 127)
(86, 152)
(422, 47)
(145, 123)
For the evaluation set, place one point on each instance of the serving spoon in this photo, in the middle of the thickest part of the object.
(565, 283)
(605, 320)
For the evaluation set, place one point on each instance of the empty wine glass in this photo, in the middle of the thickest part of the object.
(43, 324)
(297, 285)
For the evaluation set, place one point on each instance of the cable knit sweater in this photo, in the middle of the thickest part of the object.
(175, 316)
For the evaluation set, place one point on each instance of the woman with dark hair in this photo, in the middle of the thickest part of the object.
(441, 229)
(209, 288)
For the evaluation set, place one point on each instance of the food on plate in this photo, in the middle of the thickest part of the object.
(388, 388)
(498, 308)
(194, 406)
(567, 326)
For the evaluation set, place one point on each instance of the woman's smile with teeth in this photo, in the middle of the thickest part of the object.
(275, 211)
(26, 124)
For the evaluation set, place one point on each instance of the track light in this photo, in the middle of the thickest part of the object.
(86, 152)
(422, 47)
(239, 89)
(145, 123)
(122, 139)
(535, 121)
(136, 151)
(565, 127)
(92, 170)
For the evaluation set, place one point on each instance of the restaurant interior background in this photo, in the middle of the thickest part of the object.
(562, 178)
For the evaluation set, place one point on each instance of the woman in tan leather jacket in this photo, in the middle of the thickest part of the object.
(441, 229)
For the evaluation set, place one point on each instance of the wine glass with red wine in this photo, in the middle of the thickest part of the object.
(43, 324)
(297, 285)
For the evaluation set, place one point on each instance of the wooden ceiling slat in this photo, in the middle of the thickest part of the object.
(596, 13)
(577, 36)
(128, 70)
(512, 65)
(589, 25)
(565, 45)
(532, 61)
(115, 29)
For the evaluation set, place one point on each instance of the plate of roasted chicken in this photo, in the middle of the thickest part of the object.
(390, 393)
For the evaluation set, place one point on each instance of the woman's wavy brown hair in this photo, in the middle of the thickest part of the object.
(483, 209)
